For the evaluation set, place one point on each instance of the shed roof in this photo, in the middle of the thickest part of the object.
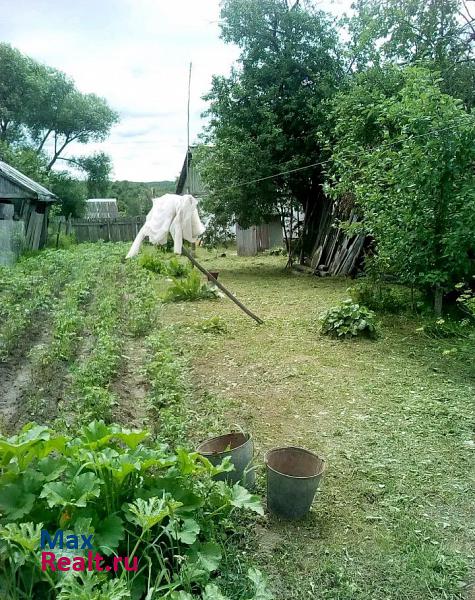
(34, 190)
(97, 208)
(192, 179)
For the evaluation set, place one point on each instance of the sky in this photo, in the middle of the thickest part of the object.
(135, 54)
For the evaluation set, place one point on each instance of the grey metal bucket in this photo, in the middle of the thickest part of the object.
(240, 447)
(293, 476)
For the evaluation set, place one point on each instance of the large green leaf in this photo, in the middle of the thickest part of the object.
(241, 498)
(76, 492)
(51, 468)
(26, 535)
(148, 513)
(15, 503)
(108, 534)
(208, 555)
(260, 583)
(212, 592)
(187, 531)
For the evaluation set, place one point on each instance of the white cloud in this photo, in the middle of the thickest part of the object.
(136, 54)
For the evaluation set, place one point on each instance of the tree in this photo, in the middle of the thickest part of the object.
(41, 106)
(265, 117)
(14, 69)
(405, 151)
(72, 193)
(82, 118)
(439, 34)
(133, 198)
(98, 168)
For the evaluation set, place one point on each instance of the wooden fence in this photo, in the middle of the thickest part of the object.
(121, 229)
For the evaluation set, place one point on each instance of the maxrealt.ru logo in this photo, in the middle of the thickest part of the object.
(89, 561)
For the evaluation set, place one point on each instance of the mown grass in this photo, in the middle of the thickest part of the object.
(393, 417)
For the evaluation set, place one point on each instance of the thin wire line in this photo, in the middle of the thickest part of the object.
(324, 162)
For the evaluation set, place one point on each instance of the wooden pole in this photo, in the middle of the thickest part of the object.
(195, 263)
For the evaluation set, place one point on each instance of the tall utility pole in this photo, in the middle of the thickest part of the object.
(188, 134)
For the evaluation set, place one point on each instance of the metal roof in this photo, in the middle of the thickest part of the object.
(101, 200)
(35, 190)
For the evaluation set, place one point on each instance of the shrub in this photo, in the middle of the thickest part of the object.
(136, 499)
(348, 320)
(447, 328)
(176, 268)
(278, 252)
(386, 298)
(149, 259)
(466, 299)
(189, 289)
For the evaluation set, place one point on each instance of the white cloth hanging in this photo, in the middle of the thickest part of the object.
(173, 214)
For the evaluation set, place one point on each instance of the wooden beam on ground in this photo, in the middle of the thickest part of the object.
(194, 262)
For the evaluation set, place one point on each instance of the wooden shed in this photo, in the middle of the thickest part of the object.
(257, 238)
(101, 208)
(24, 206)
(189, 181)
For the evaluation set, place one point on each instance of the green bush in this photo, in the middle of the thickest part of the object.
(189, 289)
(466, 299)
(447, 328)
(385, 298)
(149, 259)
(348, 320)
(176, 268)
(134, 496)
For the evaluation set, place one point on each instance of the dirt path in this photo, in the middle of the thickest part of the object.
(16, 378)
(390, 417)
(131, 387)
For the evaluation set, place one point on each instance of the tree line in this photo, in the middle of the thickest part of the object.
(380, 103)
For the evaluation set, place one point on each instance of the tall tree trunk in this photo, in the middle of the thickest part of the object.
(438, 300)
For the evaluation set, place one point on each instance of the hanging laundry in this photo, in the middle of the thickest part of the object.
(177, 215)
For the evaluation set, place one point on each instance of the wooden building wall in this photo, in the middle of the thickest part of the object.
(257, 238)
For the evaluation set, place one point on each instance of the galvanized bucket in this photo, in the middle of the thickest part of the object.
(240, 447)
(293, 476)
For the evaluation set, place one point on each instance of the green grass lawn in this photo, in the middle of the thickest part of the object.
(394, 516)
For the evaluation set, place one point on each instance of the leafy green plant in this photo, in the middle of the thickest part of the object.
(386, 298)
(466, 299)
(348, 320)
(189, 289)
(177, 268)
(151, 260)
(215, 325)
(447, 328)
(136, 497)
(278, 252)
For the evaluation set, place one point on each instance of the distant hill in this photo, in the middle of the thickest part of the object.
(161, 187)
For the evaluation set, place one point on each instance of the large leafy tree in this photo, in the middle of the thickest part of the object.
(265, 117)
(98, 168)
(440, 34)
(406, 152)
(41, 106)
